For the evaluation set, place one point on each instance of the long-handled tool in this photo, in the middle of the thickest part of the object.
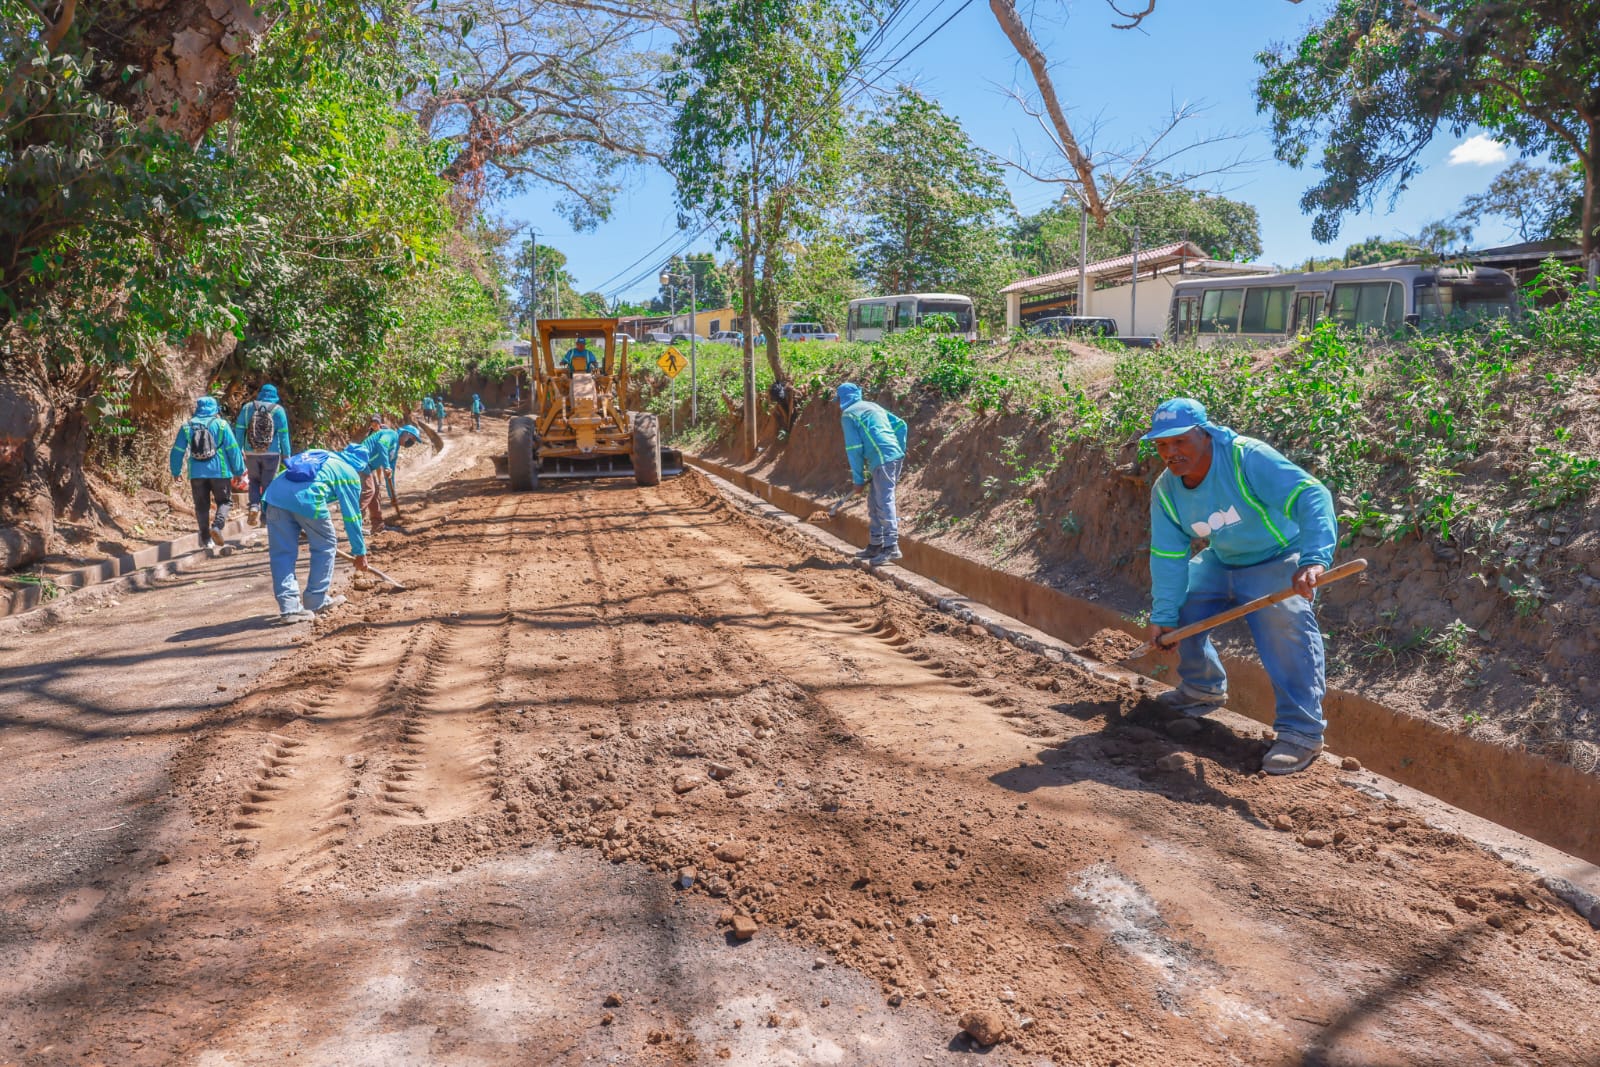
(394, 500)
(832, 512)
(373, 569)
(1171, 638)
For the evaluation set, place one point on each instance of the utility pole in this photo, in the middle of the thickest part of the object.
(1133, 296)
(748, 285)
(533, 294)
(694, 340)
(1083, 258)
(555, 288)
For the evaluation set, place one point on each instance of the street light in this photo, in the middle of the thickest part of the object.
(667, 278)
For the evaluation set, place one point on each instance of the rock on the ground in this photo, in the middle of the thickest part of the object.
(744, 927)
(686, 783)
(1350, 763)
(732, 852)
(984, 1027)
(1282, 822)
(1183, 729)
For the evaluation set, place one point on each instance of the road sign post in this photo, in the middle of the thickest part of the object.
(672, 363)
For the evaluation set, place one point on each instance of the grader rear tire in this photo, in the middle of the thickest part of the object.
(646, 450)
(522, 454)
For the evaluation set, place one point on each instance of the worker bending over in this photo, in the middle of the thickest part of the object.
(875, 445)
(296, 503)
(1268, 525)
(383, 447)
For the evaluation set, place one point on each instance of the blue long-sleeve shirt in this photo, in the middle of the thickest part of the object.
(227, 462)
(384, 447)
(280, 421)
(1254, 505)
(335, 481)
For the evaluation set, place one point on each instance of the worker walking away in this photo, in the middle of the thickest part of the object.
(263, 429)
(438, 410)
(214, 461)
(477, 414)
(1269, 525)
(875, 445)
(296, 504)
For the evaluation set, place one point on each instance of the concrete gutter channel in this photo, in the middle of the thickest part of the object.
(1413, 760)
(125, 573)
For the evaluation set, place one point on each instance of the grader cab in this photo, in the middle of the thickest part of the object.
(579, 424)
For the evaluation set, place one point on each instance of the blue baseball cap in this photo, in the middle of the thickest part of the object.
(1176, 416)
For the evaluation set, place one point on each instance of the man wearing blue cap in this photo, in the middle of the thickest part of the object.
(383, 446)
(1268, 524)
(297, 503)
(875, 445)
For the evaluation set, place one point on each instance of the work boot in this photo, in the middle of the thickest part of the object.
(331, 603)
(1191, 702)
(216, 537)
(870, 551)
(254, 517)
(1287, 758)
(289, 618)
(889, 554)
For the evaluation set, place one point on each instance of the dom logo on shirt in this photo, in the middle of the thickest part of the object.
(1217, 521)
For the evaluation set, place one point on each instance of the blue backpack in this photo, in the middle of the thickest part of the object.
(304, 466)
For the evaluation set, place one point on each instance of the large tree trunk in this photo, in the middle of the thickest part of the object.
(184, 57)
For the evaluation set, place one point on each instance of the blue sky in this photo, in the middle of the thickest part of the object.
(1192, 51)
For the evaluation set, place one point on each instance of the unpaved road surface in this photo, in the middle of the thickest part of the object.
(601, 723)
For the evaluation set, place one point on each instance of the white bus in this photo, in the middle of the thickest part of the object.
(875, 317)
(1273, 307)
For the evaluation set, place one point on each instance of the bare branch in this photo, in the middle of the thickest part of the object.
(1135, 18)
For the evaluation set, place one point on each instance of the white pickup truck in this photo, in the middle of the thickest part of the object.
(805, 331)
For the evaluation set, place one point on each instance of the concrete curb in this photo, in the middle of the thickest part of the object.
(118, 574)
(1569, 876)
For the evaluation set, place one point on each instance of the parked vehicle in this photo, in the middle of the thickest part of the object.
(805, 331)
(657, 337)
(727, 337)
(1072, 326)
(872, 318)
(679, 339)
(1271, 307)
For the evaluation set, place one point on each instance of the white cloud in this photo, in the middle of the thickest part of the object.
(1478, 151)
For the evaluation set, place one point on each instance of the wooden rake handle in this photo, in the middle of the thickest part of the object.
(345, 555)
(1168, 640)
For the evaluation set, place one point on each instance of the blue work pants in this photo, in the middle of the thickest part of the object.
(1287, 638)
(883, 521)
(284, 528)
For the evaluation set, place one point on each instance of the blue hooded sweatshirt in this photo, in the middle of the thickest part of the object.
(268, 394)
(873, 436)
(477, 405)
(1254, 505)
(311, 479)
(228, 461)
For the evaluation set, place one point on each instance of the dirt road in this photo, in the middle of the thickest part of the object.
(602, 723)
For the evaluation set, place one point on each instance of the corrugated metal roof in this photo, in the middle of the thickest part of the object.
(1180, 250)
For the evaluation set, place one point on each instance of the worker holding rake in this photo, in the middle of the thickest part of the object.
(1268, 525)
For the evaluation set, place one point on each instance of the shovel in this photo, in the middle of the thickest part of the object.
(373, 569)
(1168, 640)
(831, 513)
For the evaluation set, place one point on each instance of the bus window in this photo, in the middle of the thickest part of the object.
(1183, 317)
(960, 311)
(1374, 305)
(1266, 310)
(905, 315)
(1305, 312)
(1219, 310)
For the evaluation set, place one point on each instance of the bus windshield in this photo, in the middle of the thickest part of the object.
(961, 311)
(1470, 300)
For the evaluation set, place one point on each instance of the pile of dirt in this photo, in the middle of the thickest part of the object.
(1110, 646)
(973, 827)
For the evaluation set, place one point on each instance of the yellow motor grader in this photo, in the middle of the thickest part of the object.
(579, 424)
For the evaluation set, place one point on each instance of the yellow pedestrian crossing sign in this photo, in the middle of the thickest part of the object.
(672, 362)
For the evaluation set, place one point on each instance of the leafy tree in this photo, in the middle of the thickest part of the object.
(1165, 213)
(1541, 202)
(713, 284)
(933, 203)
(553, 94)
(1373, 81)
(757, 141)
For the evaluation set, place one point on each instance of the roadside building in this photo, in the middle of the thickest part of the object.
(1138, 302)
